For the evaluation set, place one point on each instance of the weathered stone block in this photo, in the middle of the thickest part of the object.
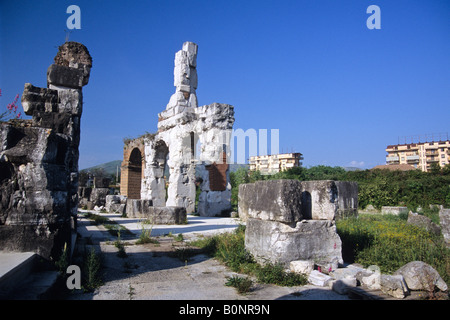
(444, 222)
(341, 286)
(276, 242)
(393, 210)
(319, 279)
(71, 101)
(271, 200)
(113, 202)
(39, 99)
(67, 77)
(143, 209)
(420, 276)
(214, 203)
(329, 200)
(290, 201)
(98, 196)
(394, 286)
(302, 266)
(423, 222)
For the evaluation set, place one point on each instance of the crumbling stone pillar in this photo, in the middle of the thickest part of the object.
(180, 127)
(39, 159)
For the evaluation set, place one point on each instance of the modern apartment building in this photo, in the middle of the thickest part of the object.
(420, 155)
(274, 163)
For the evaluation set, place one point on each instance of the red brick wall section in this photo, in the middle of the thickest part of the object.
(218, 175)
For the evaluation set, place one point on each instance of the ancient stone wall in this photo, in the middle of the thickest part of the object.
(181, 126)
(39, 159)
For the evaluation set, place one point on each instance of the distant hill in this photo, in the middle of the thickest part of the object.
(235, 166)
(109, 167)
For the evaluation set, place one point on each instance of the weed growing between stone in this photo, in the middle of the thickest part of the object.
(146, 233)
(63, 262)
(91, 271)
(119, 244)
(229, 248)
(242, 284)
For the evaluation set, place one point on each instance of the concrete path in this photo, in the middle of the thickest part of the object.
(196, 226)
(156, 272)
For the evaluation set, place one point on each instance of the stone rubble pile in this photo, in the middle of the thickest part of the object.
(292, 223)
(414, 276)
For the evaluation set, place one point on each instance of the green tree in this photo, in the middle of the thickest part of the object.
(435, 169)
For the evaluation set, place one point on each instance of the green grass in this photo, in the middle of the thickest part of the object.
(389, 242)
(229, 248)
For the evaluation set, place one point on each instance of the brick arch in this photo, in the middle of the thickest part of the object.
(132, 169)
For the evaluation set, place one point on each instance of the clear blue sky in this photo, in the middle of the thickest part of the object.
(338, 92)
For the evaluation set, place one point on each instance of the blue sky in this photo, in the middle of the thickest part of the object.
(338, 92)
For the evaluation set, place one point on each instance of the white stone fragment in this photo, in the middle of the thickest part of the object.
(319, 279)
(302, 266)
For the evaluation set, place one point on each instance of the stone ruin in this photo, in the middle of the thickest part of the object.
(173, 149)
(94, 197)
(39, 159)
(290, 220)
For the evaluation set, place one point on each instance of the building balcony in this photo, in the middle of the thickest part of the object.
(415, 157)
(392, 158)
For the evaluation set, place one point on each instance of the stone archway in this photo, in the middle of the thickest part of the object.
(135, 174)
(132, 169)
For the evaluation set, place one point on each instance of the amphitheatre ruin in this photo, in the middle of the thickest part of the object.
(288, 223)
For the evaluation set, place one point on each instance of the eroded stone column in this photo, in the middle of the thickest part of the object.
(39, 159)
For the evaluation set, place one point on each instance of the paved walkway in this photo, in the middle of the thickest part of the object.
(154, 272)
(196, 226)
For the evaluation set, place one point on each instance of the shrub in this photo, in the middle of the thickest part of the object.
(91, 272)
(145, 236)
(270, 273)
(242, 284)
